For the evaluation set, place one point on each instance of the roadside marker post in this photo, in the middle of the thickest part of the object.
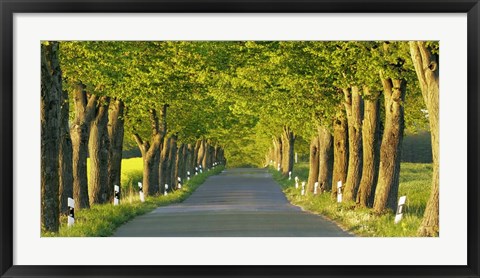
(196, 171)
(296, 182)
(289, 175)
(315, 188)
(179, 183)
(278, 168)
(140, 192)
(166, 189)
(188, 175)
(303, 188)
(401, 204)
(339, 192)
(116, 198)
(71, 212)
(201, 168)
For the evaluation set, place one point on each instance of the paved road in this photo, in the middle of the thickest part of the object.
(236, 203)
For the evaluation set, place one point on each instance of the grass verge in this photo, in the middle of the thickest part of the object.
(103, 220)
(415, 183)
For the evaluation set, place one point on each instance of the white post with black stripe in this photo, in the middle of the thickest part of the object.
(140, 192)
(289, 175)
(339, 192)
(201, 168)
(303, 188)
(179, 183)
(116, 197)
(188, 175)
(165, 193)
(196, 171)
(71, 212)
(399, 214)
(315, 187)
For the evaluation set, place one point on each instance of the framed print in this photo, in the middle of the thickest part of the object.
(203, 88)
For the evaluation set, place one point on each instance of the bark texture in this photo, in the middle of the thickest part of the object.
(150, 151)
(115, 135)
(172, 156)
(201, 153)
(190, 167)
(181, 161)
(370, 139)
(99, 146)
(354, 110)
(85, 106)
(288, 140)
(277, 144)
(427, 68)
(340, 152)
(51, 96)
(165, 164)
(325, 154)
(65, 157)
(198, 145)
(314, 164)
(386, 193)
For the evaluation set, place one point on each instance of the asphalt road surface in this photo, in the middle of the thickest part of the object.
(236, 203)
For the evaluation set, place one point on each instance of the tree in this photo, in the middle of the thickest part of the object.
(51, 99)
(354, 110)
(325, 139)
(425, 59)
(340, 151)
(84, 105)
(99, 146)
(394, 77)
(370, 139)
(65, 156)
(115, 135)
(150, 150)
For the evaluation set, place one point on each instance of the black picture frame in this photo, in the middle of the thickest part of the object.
(9, 7)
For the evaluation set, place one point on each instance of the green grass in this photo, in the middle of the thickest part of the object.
(103, 220)
(131, 173)
(415, 183)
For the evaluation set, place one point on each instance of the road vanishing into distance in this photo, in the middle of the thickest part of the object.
(240, 202)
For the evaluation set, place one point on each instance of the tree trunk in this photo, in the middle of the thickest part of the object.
(65, 157)
(206, 148)
(325, 154)
(201, 153)
(211, 154)
(340, 152)
(198, 145)
(314, 164)
(353, 107)
(288, 150)
(172, 159)
(371, 136)
(277, 143)
(183, 162)
(163, 170)
(191, 159)
(98, 150)
(79, 131)
(51, 97)
(115, 134)
(386, 193)
(150, 151)
(427, 68)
